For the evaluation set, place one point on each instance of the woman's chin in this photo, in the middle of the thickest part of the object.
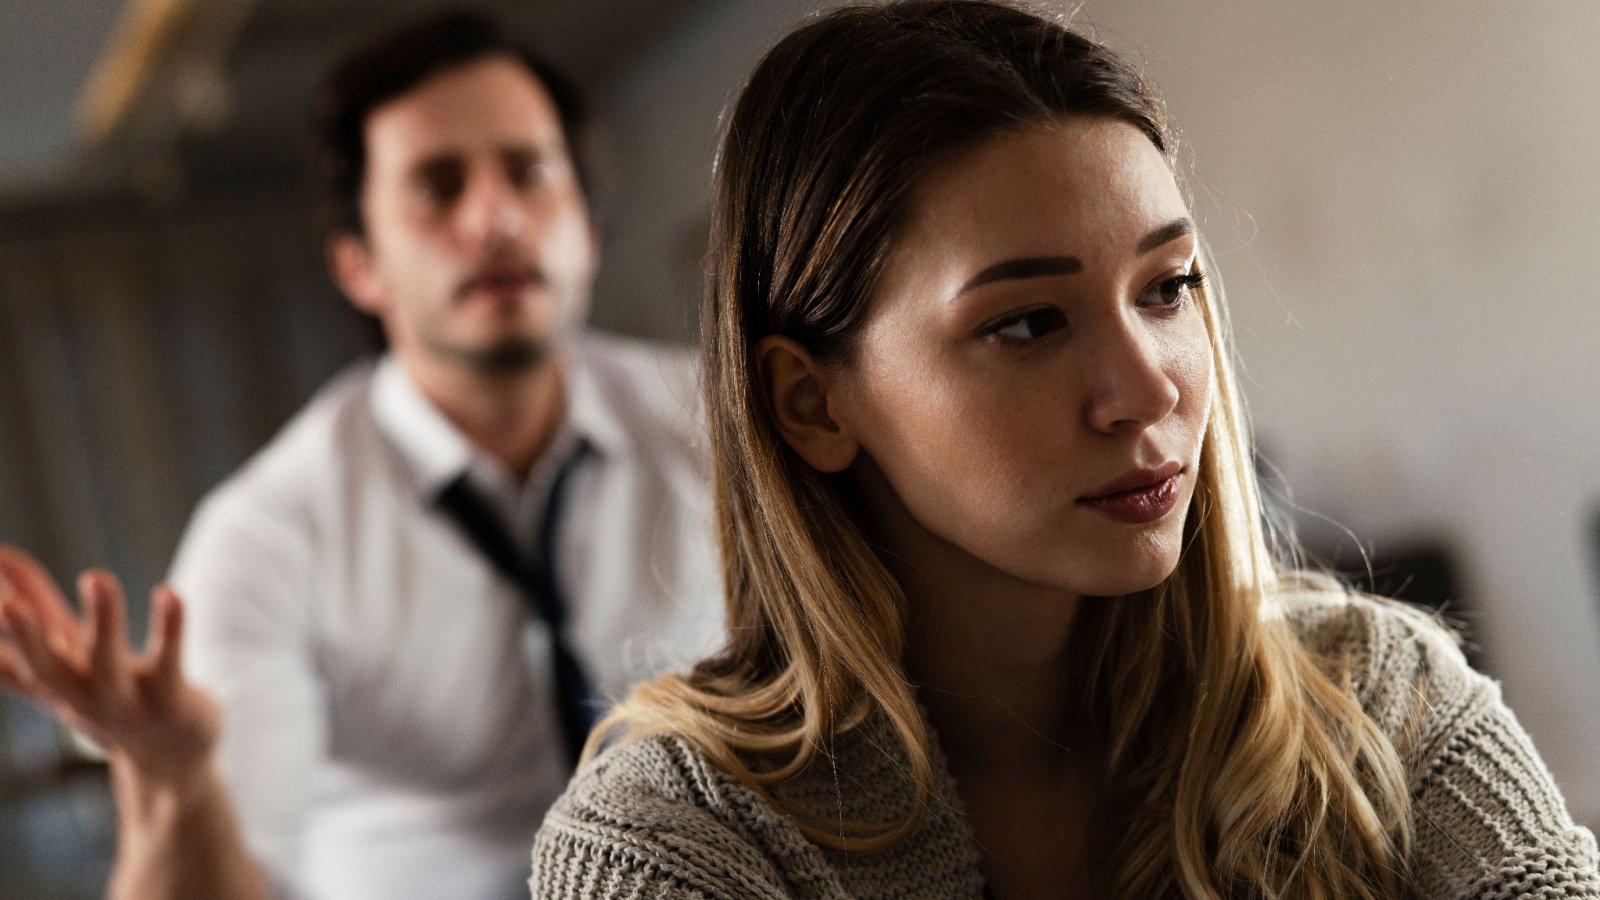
(1140, 576)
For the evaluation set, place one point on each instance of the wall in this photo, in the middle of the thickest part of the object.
(1401, 198)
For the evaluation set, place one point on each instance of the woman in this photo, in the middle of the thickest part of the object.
(1004, 619)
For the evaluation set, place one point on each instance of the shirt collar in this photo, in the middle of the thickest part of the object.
(591, 416)
(434, 449)
(437, 452)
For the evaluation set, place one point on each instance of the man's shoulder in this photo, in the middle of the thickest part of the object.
(635, 355)
(269, 519)
(328, 438)
(648, 389)
(621, 366)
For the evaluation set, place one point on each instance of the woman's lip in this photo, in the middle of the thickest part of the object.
(1140, 505)
(1138, 479)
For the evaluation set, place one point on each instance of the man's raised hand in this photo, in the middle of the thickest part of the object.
(137, 706)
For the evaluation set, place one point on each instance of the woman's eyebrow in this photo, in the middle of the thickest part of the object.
(1041, 266)
(1167, 233)
(1024, 267)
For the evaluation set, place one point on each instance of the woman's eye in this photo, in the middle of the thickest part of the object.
(1174, 293)
(1027, 326)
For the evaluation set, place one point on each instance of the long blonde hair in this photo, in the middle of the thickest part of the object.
(1241, 764)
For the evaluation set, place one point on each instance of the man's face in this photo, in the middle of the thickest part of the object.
(478, 249)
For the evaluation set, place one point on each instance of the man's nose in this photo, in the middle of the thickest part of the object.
(1131, 387)
(491, 211)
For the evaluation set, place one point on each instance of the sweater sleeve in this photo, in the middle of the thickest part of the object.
(1489, 819)
(651, 820)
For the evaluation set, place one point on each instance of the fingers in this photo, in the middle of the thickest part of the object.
(51, 677)
(8, 594)
(108, 654)
(104, 619)
(14, 672)
(164, 655)
(33, 585)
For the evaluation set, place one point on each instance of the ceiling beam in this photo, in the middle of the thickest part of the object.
(157, 44)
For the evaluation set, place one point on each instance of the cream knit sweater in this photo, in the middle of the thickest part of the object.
(653, 818)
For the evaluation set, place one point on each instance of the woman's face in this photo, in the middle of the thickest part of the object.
(1032, 380)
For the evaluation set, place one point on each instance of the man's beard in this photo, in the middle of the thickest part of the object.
(510, 356)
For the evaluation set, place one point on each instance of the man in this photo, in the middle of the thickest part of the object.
(379, 702)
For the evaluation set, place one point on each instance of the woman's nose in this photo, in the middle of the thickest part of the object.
(1131, 387)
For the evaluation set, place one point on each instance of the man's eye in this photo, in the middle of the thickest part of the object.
(441, 186)
(1027, 326)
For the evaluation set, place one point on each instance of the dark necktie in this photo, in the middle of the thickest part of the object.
(536, 579)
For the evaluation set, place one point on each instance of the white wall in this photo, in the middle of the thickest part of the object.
(1403, 201)
(1402, 197)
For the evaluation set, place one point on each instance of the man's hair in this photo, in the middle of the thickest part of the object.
(396, 62)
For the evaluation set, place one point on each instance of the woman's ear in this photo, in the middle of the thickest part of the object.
(798, 391)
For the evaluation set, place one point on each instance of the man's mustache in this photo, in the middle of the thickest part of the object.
(498, 275)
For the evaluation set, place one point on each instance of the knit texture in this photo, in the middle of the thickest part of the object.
(652, 818)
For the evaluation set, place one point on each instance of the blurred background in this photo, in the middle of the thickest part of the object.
(1401, 199)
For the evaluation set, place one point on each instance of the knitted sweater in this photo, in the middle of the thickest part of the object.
(653, 818)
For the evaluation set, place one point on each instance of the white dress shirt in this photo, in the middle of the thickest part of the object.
(390, 727)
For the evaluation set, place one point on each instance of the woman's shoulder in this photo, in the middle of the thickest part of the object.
(1406, 669)
(657, 817)
(653, 816)
(1489, 819)
(1332, 619)
(1392, 654)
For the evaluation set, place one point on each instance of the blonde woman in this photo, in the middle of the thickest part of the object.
(1004, 620)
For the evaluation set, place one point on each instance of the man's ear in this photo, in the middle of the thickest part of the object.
(798, 391)
(350, 264)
